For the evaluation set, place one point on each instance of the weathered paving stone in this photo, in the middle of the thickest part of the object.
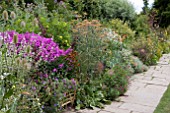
(136, 112)
(134, 86)
(137, 108)
(95, 110)
(166, 70)
(105, 112)
(147, 78)
(160, 75)
(145, 96)
(155, 81)
(113, 106)
(116, 110)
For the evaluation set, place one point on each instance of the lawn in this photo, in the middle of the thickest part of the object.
(164, 105)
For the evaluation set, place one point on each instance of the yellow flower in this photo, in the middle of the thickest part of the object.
(13, 87)
(66, 41)
(61, 37)
(64, 24)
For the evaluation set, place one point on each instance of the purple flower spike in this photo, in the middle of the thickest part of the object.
(73, 81)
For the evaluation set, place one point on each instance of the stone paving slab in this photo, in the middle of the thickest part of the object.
(144, 92)
(137, 108)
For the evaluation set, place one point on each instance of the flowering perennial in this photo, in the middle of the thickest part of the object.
(41, 48)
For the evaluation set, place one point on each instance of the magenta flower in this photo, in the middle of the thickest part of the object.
(54, 70)
(46, 75)
(42, 48)
(61, 65)
(73, 81)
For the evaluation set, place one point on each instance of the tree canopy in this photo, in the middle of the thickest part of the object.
(163, 8)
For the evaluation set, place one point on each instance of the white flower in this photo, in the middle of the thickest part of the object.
(2, 77)
(6, 74)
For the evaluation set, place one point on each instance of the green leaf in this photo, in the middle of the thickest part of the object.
(106, 101)
(8, 111)
(78, 107)
(8, 94)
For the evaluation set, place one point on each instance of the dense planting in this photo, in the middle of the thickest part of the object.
(65, 54)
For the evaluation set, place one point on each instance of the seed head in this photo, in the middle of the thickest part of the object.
(13, 15)
(18, 61)
(23, 24)
(24, 61)
(28, 49)
(15, 39)
(35, 22)
(5, 15)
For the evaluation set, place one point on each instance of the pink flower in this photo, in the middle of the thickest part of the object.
(46, 75)
(54, 70)
(61, 65)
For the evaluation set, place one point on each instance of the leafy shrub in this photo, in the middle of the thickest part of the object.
(138, 65)
(141, 25)
(121, 9)
(122, 29)
(52, 92)
(89, 46)
(90, 95)
(115, 82)
(147, 51)
(103, 9)
(120, 53)
(86, 8)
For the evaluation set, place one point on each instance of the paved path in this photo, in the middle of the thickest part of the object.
(144, 93)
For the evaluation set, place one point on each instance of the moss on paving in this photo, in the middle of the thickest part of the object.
(164, 105)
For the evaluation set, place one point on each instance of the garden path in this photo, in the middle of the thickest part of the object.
(144, 92)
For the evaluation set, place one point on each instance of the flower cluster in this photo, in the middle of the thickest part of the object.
(42, 48)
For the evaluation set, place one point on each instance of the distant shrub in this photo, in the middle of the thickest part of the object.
(122, 28)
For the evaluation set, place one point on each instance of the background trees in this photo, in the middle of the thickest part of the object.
(163, 10)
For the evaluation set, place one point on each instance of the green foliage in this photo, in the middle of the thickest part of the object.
(54, 92)
(14, 71)
(140, 25)
(122, 29)
(38, 20)
(58, 29)
(89, 45)
(138, 65)
(87, 8)
(147, 50)
(121, 9)
(163, 8)
(163, 106)
(115, 82)
(94, 94)
(104, 9)
(145, 8)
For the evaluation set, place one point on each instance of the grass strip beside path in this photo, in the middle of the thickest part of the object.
(164, 105)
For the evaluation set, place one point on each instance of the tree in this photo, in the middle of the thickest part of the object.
(163, 9)
(145, 8)
(104, 9)
(121, 9)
